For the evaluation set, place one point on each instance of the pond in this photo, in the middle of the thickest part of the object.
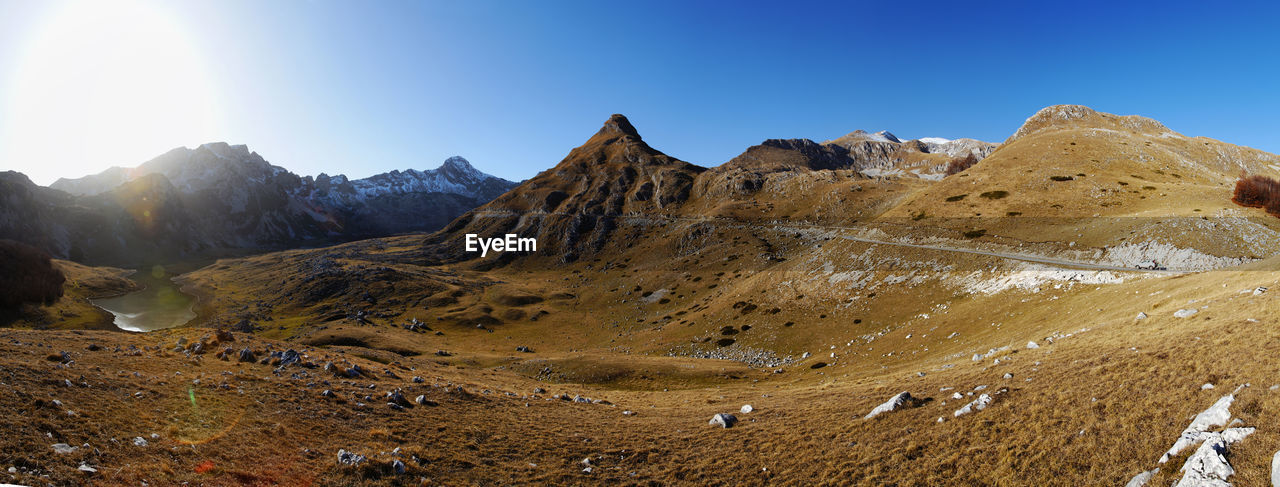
(158, 306)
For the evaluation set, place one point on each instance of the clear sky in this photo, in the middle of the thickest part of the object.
(365, 87)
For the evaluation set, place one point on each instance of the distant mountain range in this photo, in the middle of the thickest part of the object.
(218, 198)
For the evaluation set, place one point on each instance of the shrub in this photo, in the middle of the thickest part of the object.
(994, 195)
(1258, 192)
(1061, 178)
(956, 197)
(27, 275)
(975, 233)
(959, 164)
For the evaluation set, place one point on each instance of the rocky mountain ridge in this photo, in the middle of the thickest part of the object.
(221, 198)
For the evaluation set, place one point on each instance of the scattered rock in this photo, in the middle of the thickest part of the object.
(524, 349)
(1033, 345)
(139, 441)
(63, 448)
(397, 466)
(247, 355)
(289, 357)
(87, 469)
(746, 408)
(1206, 387)
(350, 458)
(976, 405)
(1008, 375)
(1185, 313)
(723, 420)
(1142, 316)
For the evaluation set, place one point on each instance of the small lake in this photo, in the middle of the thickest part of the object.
(158, 306)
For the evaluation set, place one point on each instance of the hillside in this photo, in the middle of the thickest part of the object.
(662, 293)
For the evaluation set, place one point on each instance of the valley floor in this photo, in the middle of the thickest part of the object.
(1093, 405)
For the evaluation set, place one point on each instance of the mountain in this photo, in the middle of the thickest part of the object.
(219, 198)
(1005, 299)
(573, 207)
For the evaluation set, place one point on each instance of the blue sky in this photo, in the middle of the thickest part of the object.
(365, 87)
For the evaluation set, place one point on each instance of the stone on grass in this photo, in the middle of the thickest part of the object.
(350, 458)
(976, 405)
(896, 402)
(723, 420)
(1033, 345)
(1216, 415)
(746, 408)
(1142, 478)
(1275, 470)
(1185, 313)
(1207, 466)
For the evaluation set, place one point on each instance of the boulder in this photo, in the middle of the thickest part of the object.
(723, 420)
(746, 408)
(894, 403)
(247, 355)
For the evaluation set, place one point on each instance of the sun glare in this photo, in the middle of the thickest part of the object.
(101, 84)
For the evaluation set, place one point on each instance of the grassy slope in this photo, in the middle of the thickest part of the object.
(73, 311)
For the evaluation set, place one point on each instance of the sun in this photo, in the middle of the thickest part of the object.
(105, 83)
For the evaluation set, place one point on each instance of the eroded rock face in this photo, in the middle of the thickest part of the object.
(1208, 466)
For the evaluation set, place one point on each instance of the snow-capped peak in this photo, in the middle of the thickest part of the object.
(887, 136)
(934, 140)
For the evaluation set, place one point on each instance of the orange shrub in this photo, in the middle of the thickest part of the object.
(961, 163)
(1258, 192)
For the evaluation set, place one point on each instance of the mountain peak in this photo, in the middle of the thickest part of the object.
(618, 125)
(458, 168)
(863, 135)
(458, 162)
